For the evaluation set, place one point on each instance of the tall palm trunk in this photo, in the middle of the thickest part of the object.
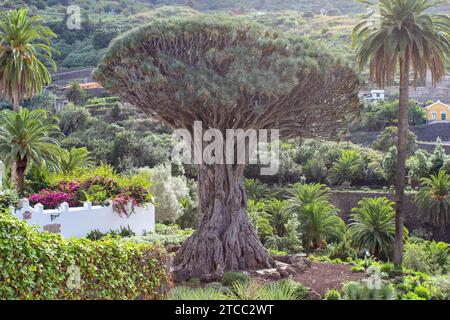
(401, 161)
(16, 101)
(16, 105)
(20, 167)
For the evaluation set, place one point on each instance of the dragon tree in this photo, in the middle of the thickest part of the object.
(228, 73)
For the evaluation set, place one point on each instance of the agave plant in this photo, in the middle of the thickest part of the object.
(364, 291)
(186, 293)
(433, 199)
(256, 290)
(372, 226)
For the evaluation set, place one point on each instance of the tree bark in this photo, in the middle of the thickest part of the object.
(16, 101)
(20, 167)
(401, 161)
(16, 105)
(225, 239)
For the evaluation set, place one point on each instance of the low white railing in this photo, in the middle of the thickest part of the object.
(79, 221)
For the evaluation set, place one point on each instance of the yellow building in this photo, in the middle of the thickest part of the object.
(438, 111)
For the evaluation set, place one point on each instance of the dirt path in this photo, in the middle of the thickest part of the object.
(324, 276)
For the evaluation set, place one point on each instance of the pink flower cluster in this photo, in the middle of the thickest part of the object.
(71, 186)
(52, 199)
(120, 205)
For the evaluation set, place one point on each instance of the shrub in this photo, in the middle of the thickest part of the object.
(168, 191)
(9, 198)
(343, 250)
(97, 185)
(109, 269)
(363, 291)
(387, 267)
(388, 138)
(231, 277)
(419, 166)
(428, 257)
(419, 286)
(52, 199)
(414, 257)
(259, 218)
(438, 157)
(290, 242)
(422, 292)
(333, 294)
(389, 165)
(163, 235)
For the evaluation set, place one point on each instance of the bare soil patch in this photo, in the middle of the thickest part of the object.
(322, 277)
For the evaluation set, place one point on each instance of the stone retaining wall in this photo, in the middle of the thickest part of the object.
(346, 200)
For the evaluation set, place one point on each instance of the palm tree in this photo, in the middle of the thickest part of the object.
(74, 93)
(255, 189)
(433, 199)
(25, 137)
(406, 37)
(302, 194)
(279, 216)
(24, 53)
(347, 168)
(317, 218)
(75, 158)
(372, 226)
(318, 222)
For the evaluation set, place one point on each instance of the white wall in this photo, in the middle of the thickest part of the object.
(79, 221)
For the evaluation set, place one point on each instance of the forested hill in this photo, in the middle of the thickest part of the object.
(130, 6)
(326, 22)
(82, 48)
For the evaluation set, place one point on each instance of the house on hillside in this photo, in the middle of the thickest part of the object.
(374, 95)
(437, 112)
(93, 88)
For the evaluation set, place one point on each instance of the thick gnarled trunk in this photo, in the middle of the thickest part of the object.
(225, 239)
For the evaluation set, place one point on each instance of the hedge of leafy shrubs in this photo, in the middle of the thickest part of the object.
(34, 265)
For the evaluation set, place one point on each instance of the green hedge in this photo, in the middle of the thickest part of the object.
(34, 265)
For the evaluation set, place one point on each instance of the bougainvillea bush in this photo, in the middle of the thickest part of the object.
(101, 186)
(52, 199)
(43, 265)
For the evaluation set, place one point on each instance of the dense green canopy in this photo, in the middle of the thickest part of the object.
(230, 74)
